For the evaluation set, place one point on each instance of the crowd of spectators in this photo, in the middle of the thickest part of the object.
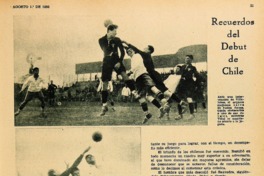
(87, 91)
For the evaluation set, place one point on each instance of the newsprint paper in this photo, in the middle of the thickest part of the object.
(135, 88)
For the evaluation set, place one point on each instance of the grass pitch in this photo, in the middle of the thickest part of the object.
(87, 114)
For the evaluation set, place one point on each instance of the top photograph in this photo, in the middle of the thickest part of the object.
(128, 68)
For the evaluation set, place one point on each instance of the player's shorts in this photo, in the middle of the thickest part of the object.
(121, 69)
(30, 95)
(186, 89)
(108, 67)
(156, 77)
(144, 83)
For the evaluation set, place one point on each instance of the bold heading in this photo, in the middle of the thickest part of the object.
(242, 22)
(233, 46)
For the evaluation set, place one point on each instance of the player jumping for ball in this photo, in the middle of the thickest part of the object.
(35, 85)
(110, 45)
(73, 169)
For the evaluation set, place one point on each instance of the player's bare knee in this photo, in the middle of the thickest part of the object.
(142, 100)
(189, 100)
(155, 90)
(149, 98)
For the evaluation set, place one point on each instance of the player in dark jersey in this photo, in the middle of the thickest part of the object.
(51, 92)
(155, 76)
(111, 45)
(73, 169)
(187, 83)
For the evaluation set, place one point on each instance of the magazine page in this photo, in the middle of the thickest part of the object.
(131, 88)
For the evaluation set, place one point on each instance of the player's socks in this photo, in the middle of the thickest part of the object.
(175, 98)
(162, 99)
(156, 103)
(104, 96)
(160, 95)
(113, 105)
(104, 109)
(157, 92)
(170, 100)
(195, 105)
(179, 109)
(144, 107)
(146, 112)
(204, 106)
(191, 108)
(168, 114)
(148, 116)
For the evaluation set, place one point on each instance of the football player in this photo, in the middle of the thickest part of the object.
(35, 85)
(155, 76)
(111, 45)
(144, 84)
(73, 169)
(187, 84)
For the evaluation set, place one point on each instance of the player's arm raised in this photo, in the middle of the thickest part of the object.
(76, 163)
(121, 49)
(133, 47)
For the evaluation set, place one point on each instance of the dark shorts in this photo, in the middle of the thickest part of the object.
(30, 96)
(186, 89)
(144, 83)
(156, 77)
(109, 66)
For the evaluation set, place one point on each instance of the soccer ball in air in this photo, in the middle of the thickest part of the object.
(97, 136)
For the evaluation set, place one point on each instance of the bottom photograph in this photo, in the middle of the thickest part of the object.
(78, 151)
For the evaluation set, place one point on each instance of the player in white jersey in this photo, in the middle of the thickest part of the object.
(144, 84)
(35, 85)
(172, 83)
(174, 79)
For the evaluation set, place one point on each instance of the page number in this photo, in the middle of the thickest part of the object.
(251, 5)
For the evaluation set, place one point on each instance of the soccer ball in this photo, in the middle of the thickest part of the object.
(108, 22)
(97, 136)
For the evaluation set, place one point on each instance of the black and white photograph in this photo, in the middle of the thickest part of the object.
(131, 88)
(110, 70)
(78, 151)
